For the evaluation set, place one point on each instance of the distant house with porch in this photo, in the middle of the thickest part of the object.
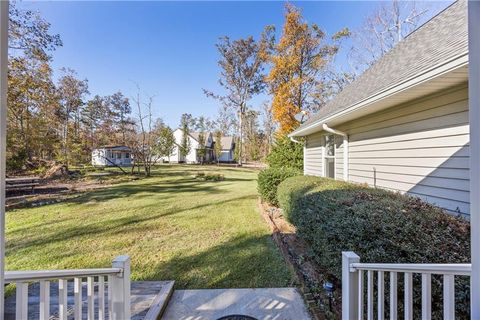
(193, 155)
(110, 156)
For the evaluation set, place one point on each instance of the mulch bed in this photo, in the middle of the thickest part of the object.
(308, 274)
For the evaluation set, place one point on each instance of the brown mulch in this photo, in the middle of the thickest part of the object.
(308, 274)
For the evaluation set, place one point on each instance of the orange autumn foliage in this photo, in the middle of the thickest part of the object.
(297, 59)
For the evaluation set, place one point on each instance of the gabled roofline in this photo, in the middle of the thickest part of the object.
(451, 64)
(208, 134)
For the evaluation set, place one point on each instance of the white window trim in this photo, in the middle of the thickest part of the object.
(325, 156)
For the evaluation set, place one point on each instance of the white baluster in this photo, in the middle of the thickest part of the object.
(360, 294)
(21, 312)
(426, 296)
(90, 297)
(408, 296)
(101, 298)
(62, 299)
(381, 295)
(393, 296)
(77, 292)
(44, 300)
(370, 295)
(448, 297)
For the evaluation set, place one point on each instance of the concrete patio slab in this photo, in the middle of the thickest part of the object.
(262, 304)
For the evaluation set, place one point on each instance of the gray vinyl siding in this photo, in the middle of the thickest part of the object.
(313, 164)
(420, 148)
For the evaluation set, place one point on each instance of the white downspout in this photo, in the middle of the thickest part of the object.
(295, 140)
(345, 148)
(3, 140)
(474, 115)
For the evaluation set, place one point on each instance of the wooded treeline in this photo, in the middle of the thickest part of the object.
(299, 71)
(54, 120)
(62, 120)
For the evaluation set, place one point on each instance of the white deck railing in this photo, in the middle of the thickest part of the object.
(116, 279)
(353, 287)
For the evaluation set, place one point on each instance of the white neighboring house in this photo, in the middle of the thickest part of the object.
(192, 156)
(228, 146)
(112, 156)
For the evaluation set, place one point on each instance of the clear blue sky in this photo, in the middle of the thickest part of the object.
(168, 48)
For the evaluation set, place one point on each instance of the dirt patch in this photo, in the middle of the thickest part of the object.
(53, 191)
(309, 275)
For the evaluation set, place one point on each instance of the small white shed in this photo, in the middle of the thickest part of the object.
(112, 156)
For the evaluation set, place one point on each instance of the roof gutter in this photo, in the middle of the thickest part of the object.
(325, 127)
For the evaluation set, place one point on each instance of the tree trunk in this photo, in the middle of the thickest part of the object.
(240, 150)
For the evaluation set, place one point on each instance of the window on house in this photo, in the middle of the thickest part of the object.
(127, 155)
(329, 160)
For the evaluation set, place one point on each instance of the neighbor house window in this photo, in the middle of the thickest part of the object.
(329, 160)
(127, 155)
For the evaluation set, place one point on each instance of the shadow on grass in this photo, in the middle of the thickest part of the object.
(245, 261)
(97, 228)
(146, 189)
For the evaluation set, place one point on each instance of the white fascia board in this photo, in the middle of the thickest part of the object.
(452, 64)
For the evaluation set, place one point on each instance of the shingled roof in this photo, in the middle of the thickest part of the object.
(438, 40)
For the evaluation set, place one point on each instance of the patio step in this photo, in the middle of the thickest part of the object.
(262, 303)
(160, 302)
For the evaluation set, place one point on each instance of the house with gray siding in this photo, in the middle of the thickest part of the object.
(403, 125)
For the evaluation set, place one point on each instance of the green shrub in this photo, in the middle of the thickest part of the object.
(269, 179)
(210, 176)
(286, 154)
(380, 226)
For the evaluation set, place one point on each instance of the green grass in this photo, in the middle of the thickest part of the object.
(201, 234)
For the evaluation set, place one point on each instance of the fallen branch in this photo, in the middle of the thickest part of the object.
(114, 164)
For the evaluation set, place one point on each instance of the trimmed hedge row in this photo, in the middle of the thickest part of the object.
(380, 226)
(269, 179)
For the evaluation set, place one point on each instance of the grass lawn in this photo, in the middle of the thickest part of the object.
(200, 234)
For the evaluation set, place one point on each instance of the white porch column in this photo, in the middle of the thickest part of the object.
(350, 282)
(474, 114)
(3, 138)
(120, 288)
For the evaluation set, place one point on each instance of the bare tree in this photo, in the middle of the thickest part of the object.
(242, 74)
(145, 142)
(226, 121)
(269, 127)
(382, 30)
